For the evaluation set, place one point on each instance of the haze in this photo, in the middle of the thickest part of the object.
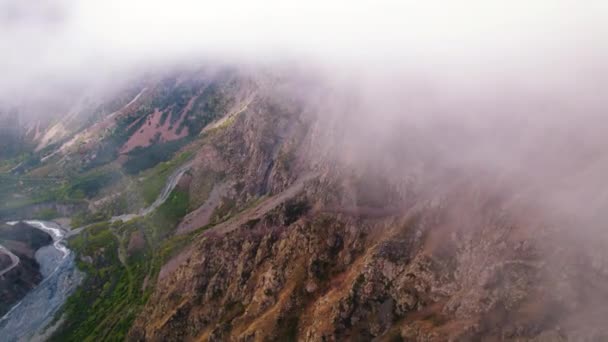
(48, 42)
(330, 163)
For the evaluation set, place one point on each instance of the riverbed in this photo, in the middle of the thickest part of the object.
(61, 278)
(28, 318)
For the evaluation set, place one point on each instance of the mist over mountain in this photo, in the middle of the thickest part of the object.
(389, 170)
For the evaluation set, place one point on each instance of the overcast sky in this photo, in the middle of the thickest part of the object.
(44, 40)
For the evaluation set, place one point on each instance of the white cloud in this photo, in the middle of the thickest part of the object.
(46, 39)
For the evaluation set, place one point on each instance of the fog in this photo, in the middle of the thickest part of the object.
(507, 96)
(511, 76)
(500, 82)
(46, 43)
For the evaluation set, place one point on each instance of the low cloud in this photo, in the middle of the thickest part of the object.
(46, 42)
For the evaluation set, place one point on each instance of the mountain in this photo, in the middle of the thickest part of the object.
(306, 212)
(310, 238)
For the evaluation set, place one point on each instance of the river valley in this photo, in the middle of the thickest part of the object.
(28, 319)
(61, 278)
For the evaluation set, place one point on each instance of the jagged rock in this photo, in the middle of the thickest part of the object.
(316, 247)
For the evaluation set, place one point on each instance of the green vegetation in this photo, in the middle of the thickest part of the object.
(171, 99)
(21, 192)
(6, 165)
(286, 158)
(211, 104)
(107, 297)
(120, 278)
(155, 179)
(46, 214)
(224, 210)
(18, 192)
(120, 272)
(162, 221)
(83, 218)
(294, 209)
(142, 158)
(12, 143)
(89, 184)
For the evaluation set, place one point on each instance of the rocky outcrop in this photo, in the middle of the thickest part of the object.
(22, 240)
(323, 278)
(395, 246)
(309, 231)
(419, 274)
(244, 161)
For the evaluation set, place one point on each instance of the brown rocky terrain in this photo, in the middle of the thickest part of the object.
(402, 244)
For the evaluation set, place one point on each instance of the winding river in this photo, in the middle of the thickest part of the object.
(27, 320)
(61, 278)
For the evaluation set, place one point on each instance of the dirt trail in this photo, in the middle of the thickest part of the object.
(202, 215)
(171, 183)
(262, 208)
(225, 227)
(225, 118)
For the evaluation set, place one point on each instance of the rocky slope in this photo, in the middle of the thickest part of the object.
(311, 235)
(308, 212)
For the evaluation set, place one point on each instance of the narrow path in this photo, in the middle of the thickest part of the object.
(221, 121)
(263, 207)
(171, 183)
(133, 100)
(15, 260)
(257, 211)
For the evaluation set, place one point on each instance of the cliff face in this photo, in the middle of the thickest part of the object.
(399, 246)
(421, 274)
(22, 241)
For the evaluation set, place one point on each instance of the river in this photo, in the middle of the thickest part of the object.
(61, 278)
(28, 318)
